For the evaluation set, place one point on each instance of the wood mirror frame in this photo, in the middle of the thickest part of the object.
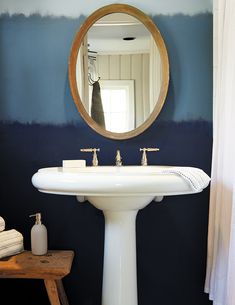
(150, 25)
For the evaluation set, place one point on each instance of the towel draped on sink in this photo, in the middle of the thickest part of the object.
(196, 177)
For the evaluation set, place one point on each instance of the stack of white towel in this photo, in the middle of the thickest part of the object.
(11, 241)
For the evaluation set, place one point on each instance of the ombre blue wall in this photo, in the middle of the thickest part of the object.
(40, 127)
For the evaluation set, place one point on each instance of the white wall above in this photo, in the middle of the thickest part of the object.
(75, 8)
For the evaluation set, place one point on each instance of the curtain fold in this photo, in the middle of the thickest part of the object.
(220, 275)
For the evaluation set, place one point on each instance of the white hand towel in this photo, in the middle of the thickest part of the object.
(12, 250)
(11, 242)
(196, 177)
(2, 224)
(10, 234)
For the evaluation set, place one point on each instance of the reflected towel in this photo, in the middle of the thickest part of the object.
(196, 177)
(97, 112)
(11, 242)
(2, 224)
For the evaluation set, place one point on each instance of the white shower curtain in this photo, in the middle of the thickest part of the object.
(220, 277)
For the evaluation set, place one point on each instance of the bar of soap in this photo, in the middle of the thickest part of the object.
(74, 163)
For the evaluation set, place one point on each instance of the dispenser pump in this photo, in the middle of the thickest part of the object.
(38, 236)
(38, 220)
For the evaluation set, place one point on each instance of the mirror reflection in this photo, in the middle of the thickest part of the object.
(119, 72)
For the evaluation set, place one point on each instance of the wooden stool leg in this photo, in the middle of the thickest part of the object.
(52, 292)
(62, 294)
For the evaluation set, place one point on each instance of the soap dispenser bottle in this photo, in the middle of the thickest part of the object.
(38, 236)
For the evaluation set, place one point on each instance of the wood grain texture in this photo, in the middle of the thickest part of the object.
(52, 292)
(54, 265)
(51, 267)
(62, 295)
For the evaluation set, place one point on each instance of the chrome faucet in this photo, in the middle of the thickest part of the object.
(118, 158)
(94, 158)
(144, 160)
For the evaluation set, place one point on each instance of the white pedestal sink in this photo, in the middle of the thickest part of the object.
(119, 192)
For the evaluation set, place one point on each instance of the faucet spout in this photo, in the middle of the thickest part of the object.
(118, 158)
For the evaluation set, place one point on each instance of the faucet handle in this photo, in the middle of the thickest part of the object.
(94, 158)
(118, 158)
(144, 160)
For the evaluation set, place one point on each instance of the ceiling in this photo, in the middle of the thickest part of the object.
(106, 35)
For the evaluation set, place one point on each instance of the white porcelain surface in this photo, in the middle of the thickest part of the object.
(119, 192)
(110, 180)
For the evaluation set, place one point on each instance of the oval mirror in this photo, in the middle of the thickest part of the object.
(119, 71)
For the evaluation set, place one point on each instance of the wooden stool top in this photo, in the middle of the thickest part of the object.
(54, 265)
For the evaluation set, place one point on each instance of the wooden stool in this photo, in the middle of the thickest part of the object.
(51, 267)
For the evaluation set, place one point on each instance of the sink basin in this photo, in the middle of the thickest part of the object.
(120, 192)
(110, 181)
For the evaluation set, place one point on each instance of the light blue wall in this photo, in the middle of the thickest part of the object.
(34, 56)
(74, 8)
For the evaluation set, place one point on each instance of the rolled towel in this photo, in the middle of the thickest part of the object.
(196, 177)
(11, 242)
(2, 224)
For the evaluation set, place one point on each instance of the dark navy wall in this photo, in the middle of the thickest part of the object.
(40, 127)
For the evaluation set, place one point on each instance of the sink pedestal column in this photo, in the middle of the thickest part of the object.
(119, 274)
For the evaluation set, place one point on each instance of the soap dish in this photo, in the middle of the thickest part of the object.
(73, 163)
